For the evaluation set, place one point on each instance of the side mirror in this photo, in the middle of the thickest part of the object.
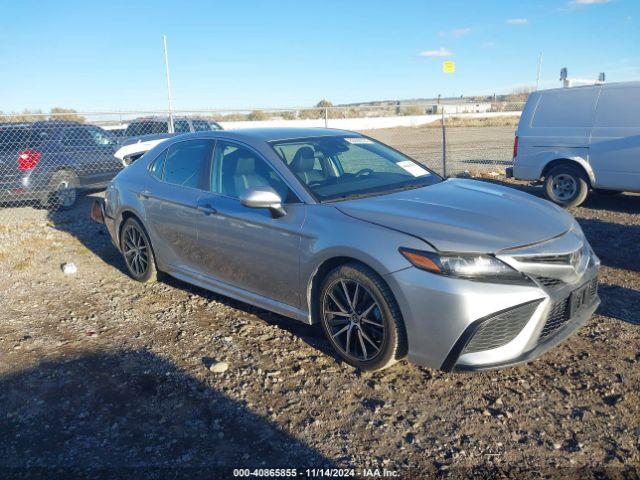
(263, 197)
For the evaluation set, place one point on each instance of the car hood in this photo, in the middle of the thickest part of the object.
(464, 216)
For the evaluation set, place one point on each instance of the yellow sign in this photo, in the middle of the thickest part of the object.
(449, 66)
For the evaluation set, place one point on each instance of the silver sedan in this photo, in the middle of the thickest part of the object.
(333, 227)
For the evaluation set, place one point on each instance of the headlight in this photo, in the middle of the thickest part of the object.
(472, 267)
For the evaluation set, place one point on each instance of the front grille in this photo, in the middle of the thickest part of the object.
(501, 329)
(560, 313)
(558, 316)
(548, 281)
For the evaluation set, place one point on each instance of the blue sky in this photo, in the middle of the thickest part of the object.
(107, 55)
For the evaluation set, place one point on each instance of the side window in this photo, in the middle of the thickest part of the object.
(201, 126)
(76, 137)
(157, 165)
(187, 164)
(619, 107)
(237, 169)
(99, 136)
(180, 126)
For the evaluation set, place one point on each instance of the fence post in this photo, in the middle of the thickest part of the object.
(444, 146)
(326, 117)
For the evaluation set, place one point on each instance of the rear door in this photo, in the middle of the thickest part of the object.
(88, 153)
(557, 126)
(179, 176)
(615, 138)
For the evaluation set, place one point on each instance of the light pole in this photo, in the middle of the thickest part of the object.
(539, 72)
(166, 64)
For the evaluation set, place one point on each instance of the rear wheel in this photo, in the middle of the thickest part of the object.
(566, 185)
(137, 252)
(361, 318)
(63, 191)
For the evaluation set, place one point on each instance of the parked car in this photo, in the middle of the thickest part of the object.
(156, 125)
(51, 161)
(582, 138)
(143, 134)
(332, 227)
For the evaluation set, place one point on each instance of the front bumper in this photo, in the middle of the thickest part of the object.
(443, 314)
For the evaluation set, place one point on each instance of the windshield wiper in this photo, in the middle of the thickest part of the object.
(356, 195)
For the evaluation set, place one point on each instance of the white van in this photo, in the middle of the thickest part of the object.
(578, 139)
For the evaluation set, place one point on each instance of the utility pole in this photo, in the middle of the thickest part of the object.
(166, 64)
(539, 72)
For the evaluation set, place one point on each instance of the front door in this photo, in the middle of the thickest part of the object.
(246, 247)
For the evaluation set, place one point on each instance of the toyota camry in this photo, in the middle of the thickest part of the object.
(332, 227)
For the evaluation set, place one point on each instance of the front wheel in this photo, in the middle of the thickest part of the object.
(361, 318)
(137, 252)
(566, 185)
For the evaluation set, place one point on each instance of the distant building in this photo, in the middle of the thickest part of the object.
(459, 108)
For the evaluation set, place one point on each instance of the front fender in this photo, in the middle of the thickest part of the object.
(372, 245)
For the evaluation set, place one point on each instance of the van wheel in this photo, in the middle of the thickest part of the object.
(566, 185)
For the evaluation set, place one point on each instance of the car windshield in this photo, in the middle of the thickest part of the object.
(337, 167)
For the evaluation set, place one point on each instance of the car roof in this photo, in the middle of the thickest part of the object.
(634, 83)
(272, 134)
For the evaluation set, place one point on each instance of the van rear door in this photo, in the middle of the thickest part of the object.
(615, 138)
(555, 124)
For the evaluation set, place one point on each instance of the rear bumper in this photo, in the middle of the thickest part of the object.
(20, 188)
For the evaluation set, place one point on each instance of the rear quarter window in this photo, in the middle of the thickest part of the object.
(566, 108)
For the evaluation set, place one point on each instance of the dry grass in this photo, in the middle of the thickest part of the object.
(510, 121)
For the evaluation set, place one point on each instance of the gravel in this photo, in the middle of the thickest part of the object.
(99, 371)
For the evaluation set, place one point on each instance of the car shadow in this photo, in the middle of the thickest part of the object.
(132, 414)
(616, 244)
(310, 334)
(620, 303)
(95, 238)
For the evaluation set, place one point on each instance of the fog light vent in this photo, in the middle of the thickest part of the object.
(501, 329)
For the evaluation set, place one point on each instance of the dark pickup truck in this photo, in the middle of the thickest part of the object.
(52, 161)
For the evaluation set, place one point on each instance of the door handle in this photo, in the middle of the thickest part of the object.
(207, 208)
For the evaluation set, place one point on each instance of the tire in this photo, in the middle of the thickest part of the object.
(606, 193)
(566, 185)
(63, 191)
(370, 336)
(140, 260)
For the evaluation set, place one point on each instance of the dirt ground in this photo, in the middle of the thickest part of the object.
(100, 372)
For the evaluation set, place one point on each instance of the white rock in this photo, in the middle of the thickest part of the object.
(69, 268)
(219, 367)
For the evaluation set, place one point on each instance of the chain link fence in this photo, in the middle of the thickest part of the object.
(50, 161)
